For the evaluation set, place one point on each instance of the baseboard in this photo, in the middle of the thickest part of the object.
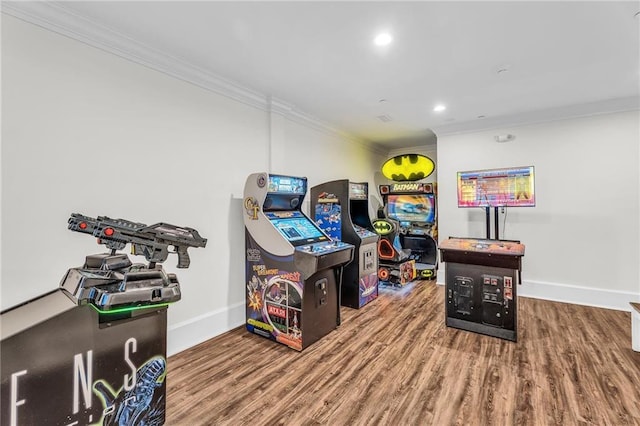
(588, 296)
(189, 333)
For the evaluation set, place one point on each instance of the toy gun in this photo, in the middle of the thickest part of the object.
(151, 241)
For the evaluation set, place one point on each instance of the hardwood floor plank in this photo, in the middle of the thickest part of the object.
(394, 362)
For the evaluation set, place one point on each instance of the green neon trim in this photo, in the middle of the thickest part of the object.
(129, 309)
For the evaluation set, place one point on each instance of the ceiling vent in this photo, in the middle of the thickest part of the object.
(384, 118)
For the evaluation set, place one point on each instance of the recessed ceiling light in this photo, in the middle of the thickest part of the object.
(439, 108)
(382, 39)
(503, 68)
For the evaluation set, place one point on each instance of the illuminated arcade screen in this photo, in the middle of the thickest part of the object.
(287, 184)
(357, 191)
(511, 187)
(412, 208)
(298, 230)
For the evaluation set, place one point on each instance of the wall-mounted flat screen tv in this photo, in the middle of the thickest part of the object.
(412, 207)
(509, 187)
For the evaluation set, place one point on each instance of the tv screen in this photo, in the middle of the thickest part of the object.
(509, 187)
(411, 207)
(298, 230)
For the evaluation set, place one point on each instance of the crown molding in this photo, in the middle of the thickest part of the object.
(57, 18)
(290, 112)
(279, 106)
(568, 112)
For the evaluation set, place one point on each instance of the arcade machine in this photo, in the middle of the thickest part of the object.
(93, 351)
(342, 212)
(481, 278)
(405, 226)
(481, 274)
(293, 269)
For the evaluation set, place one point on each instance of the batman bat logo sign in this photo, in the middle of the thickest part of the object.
(382, 227)
(408, 167)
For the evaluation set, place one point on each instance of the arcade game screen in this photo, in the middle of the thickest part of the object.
(357, 191)
(298, 230)
(512, 187)
(412, 208)
(287, 184)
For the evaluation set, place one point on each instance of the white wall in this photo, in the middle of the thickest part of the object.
(305, 151)
(86, 131)
(582, 238)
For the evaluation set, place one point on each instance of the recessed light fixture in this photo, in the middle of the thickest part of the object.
(439, 108)
(503, 69)
(504, 138)
(382, 39)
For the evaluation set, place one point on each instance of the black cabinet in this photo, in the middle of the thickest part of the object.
(480, 280)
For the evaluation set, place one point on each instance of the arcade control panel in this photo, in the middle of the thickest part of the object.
(363, 232)
(325, 247)
(469, 246)
(481, 277)
(315, 257)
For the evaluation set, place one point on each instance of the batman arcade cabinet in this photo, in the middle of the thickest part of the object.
(293, 269)
(342, 212)
(406, 227)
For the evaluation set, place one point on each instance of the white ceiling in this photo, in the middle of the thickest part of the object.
(561, 58)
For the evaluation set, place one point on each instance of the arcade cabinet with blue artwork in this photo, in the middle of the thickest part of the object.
(341, 210)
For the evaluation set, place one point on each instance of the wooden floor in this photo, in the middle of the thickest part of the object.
(395, 363)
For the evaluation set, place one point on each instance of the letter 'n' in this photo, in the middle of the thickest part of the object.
(82, 377)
